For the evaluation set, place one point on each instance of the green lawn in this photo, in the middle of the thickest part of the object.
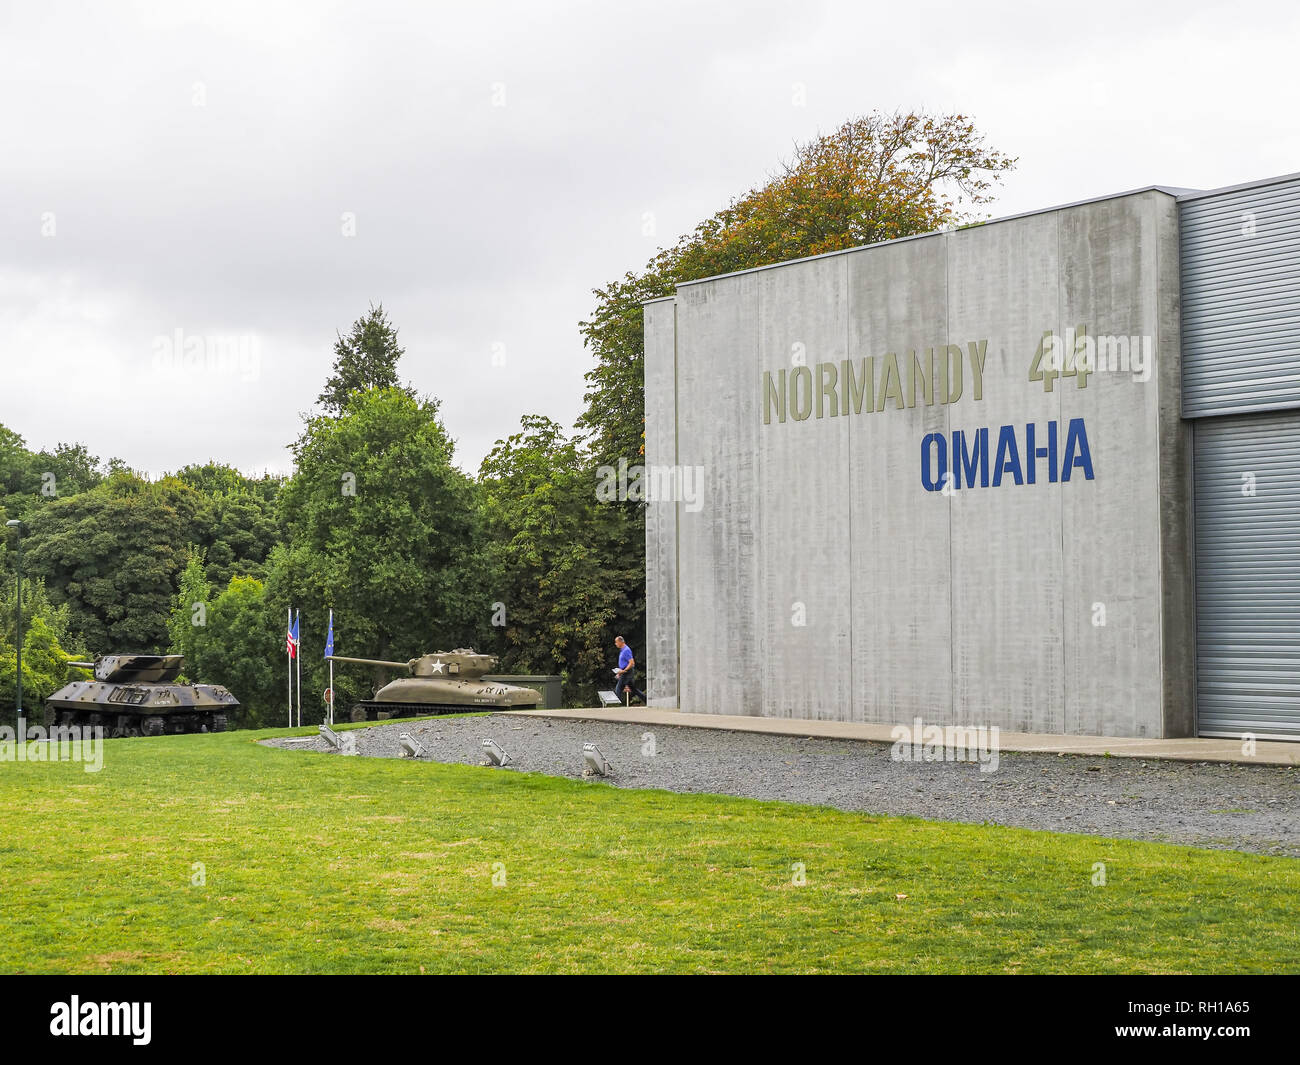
(316, 863)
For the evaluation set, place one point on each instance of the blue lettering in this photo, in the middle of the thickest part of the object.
(966, 463)
(1008, 459)
(1033, 454)
(931, 483)
(1076, 436)
(970, 456)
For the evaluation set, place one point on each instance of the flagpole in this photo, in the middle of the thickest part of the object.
(299, 635)
(289, 662)
(330, 708)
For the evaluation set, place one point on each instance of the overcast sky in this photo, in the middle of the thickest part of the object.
(193, 167)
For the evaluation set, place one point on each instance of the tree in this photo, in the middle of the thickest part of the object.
(189, 614)
(237, 649)
(45, 670)
(36, 604)
(552, 561)
(383, 528)
(215, 479)
(114, 555)
(29, 480)
(876, 178)
(242, 530)
(364, 360)
(69, 469)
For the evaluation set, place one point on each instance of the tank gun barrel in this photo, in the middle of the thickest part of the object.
(80, 665)
(369, 662)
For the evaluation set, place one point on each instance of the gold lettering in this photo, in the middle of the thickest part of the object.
(951, 385)
(886, 388)
(916, 370)
(801, 373)
(859, 387)
(827, 387)
(978, 352)
(773, 394)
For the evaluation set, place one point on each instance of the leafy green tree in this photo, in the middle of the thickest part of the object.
(550, 547)
(364, 360)
(243, 528)
(15, 463)
(36, 604)
(30, 479)
(190, 610)
(215, 479)
(114, 556)
(383, 528)
(237, 648)
(212, 478)
(45, 670)
(67, 470)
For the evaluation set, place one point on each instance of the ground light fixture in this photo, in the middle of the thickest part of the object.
(593, 761)
(493, 754)
(411, 747)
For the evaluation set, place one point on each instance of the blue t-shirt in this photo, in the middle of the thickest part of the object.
(624, 657)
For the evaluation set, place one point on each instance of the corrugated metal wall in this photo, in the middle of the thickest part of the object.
(1241, 299)
(1240, 264)
(1248, 574)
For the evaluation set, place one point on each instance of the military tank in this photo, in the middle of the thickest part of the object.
(137, 695)
(445, 682)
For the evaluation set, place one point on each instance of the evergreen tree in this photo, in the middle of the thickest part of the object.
(364, 360)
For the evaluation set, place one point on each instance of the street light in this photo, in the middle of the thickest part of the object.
(17, 526)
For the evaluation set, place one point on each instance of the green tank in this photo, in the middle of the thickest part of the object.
(137, 695)
(445, 682)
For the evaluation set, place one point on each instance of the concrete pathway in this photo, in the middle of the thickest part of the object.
(1267, 752)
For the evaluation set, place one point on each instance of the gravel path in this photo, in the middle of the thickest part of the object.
(1227, 807)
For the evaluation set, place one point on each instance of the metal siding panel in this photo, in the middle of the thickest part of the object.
(1240, 267)
(1248, 575)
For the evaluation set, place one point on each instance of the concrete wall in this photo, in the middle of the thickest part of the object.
(660, 654)
(820, 579)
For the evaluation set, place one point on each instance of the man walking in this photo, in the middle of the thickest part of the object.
(626, 671)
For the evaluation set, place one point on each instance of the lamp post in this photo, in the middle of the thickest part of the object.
(17, 526)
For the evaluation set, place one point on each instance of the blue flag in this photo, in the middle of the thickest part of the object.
(329, 638)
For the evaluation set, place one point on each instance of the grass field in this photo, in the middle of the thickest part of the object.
(315, 863)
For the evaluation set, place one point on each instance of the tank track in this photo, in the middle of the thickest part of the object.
(372, 711)
(118, 726)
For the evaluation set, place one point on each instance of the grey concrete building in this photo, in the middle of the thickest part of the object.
(1041, 473)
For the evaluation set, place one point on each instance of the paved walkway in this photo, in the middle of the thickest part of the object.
(1267, 752)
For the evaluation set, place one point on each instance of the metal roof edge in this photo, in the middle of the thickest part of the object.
(1197, 194)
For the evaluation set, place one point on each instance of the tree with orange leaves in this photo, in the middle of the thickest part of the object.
(875, 178)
